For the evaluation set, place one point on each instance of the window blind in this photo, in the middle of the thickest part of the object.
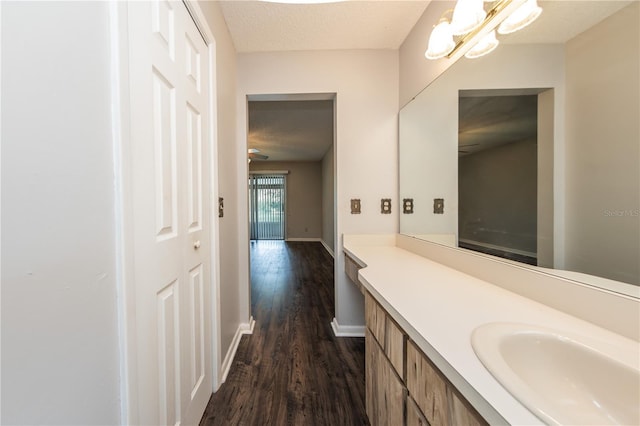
(267, 193)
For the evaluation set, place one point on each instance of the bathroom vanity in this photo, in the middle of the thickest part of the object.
(421, 314)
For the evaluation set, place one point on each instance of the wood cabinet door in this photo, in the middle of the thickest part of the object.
(392, 396)
(385, 392)
(371, 376)
(375, 318)
(427, 387)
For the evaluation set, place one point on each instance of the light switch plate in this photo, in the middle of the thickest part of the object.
(438, 205)
(385, 206)
(355, 206)
(407, 205)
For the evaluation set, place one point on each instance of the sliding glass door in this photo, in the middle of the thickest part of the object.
(267, 206)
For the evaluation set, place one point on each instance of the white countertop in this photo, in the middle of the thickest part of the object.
(439, 307)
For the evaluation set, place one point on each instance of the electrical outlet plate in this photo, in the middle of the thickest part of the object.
(407, 205)
(438, 205)
(385, 206)
(355, 206)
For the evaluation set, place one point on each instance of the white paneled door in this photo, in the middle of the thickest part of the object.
(168, 66)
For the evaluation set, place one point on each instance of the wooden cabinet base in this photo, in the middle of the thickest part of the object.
(393, 362)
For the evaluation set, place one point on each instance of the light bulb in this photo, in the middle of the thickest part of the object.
(440, 42)
(521, 17)
(467, 16)
(486, 45)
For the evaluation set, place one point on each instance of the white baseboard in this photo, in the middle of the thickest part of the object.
(243, 328)
(304, 239)
(329, 249)
(347, 330)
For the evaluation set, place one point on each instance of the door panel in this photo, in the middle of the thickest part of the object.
(169, 354)
(168, 60)
(194, 169)
(164, 138)
(163, 18)
(198, 338)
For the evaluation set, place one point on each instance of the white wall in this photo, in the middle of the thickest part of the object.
(428, 154)
(234, 306)
(328, 200)
(366, 144)
(603, 148)
(498, 193)
(59, 318)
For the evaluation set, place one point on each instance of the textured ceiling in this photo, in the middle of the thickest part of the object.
(562, 20)
(258, 26)
(291, 130)
(486, 122)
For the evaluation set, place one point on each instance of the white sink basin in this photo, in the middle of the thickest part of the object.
(564, 378)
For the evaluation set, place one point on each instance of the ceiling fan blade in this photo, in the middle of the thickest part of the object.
(255, 156)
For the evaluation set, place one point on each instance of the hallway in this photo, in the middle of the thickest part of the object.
(292, 370)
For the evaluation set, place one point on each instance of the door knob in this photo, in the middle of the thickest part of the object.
(196, 245)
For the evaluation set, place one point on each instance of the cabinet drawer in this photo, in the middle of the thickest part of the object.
(386, 332)
(394, 346)
(385, 392)
(351, 268)
(375, 318)
(426, 386)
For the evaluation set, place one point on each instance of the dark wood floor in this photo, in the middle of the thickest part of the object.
(292, 370)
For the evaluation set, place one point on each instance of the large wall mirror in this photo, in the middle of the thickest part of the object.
(535, 148)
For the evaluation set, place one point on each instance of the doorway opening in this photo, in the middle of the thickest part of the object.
(267, 200)
(291, 179)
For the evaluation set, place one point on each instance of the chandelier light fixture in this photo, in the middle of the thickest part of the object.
(471, 24)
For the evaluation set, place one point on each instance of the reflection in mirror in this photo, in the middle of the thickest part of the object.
(581, 73)
(497, 174)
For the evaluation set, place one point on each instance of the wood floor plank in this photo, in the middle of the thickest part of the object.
(292, 370)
